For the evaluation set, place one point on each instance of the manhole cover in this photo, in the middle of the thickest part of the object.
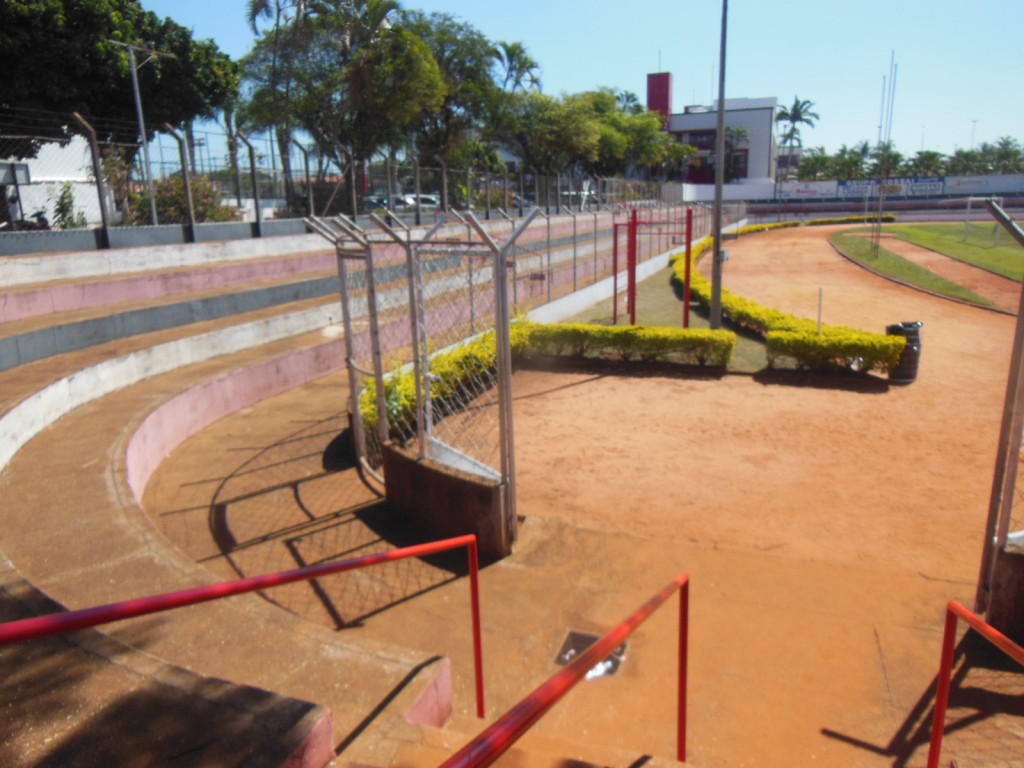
(576, 643)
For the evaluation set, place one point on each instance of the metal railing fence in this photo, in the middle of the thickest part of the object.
(496, 739)
(70, 621)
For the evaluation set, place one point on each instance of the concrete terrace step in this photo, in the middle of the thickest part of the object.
(68, 295)
(84, 541)
(155, 713)
(85, 319)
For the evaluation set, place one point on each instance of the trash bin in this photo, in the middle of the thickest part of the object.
(905, 371)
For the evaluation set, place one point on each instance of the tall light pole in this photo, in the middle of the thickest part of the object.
(974, 124)
(138, 113)
(716, 264)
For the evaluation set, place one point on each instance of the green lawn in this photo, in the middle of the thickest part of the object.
(858, 248)
(658, 305)
(976, 246)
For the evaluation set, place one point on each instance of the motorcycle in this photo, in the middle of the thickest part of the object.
(37, 221)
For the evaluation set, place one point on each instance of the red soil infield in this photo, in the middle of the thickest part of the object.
(825, 522)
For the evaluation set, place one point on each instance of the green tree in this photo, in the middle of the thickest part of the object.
(926, 163)
(1007, 156)
(886, 162)
(58, 56)
(815, 165)
(517, 70)
(735, 139)
(800, 113)
(851, 162)
(966, 162)
(471, 98)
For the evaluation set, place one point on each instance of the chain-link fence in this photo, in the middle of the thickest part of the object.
(421, 316)
(234, 177)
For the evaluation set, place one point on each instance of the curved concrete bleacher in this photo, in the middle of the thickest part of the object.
(80, 432)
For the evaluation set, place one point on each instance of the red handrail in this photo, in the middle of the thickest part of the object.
(495, 740)
(69, 621)
(954, 612)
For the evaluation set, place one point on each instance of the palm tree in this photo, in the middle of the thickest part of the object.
(1008, 156)
(814, 165)
(927, 163)
(795, 116)
(735, 138)
(520, 71)
(629, 102)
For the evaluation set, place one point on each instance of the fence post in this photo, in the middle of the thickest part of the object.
(186, 177)
(255, 182)
(684, 636)
(309, 184)
(631, 258)
(101, 189)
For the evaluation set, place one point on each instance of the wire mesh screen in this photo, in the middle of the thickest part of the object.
(456, 306)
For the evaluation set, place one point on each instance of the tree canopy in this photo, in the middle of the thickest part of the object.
(61, 56)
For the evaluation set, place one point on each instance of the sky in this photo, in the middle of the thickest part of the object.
(958, 64)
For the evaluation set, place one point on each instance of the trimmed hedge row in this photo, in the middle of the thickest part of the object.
(452, 372)
(788, 336)
(691, 346)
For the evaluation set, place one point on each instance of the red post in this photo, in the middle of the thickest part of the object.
(478, 648)
(686, 286)
(631, 264)
(614, 272)
(942, 693)
(684, 635)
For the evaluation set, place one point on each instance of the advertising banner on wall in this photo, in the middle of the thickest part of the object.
(974, 186)
(805, 190)
(899, 187)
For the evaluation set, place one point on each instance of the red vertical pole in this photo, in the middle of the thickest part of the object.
(632, 258)
(478, 652)
(615, 272)
(942, 693)
(684, 637)
(689, 266)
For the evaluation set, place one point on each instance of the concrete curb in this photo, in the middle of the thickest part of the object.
(33, 415)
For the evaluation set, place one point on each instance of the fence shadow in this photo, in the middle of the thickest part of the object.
(985, 689)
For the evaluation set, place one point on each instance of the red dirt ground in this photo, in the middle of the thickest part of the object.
(824, 521)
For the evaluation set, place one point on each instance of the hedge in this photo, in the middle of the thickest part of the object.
(452, 371)
(691, 346)
(790, 336)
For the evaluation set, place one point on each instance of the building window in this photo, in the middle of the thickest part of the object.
(702, 140)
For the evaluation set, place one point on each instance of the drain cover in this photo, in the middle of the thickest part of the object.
(576, 643)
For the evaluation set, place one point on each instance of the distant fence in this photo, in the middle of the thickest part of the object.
(234, 178)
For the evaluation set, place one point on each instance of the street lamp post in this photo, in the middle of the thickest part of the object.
(138, 113)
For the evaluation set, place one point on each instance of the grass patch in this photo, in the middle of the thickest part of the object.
(978, 250)
(858, 248)
(658, 306)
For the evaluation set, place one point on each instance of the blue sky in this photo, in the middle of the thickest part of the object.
(959, 63)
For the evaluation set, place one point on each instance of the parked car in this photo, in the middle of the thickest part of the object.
(408, 202)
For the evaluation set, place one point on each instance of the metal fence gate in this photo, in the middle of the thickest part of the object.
(427, 343)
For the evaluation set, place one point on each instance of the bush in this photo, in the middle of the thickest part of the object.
(689, 346)
(788, 336)
(453, 372)
(170, 202)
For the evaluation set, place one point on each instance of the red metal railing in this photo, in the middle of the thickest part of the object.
(499, 737)
(954, 612)
(60, 623)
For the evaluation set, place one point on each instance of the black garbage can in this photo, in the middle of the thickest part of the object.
(906, 370)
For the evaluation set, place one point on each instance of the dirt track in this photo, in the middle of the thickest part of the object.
(824, 526)
(818, 513)
(894, 475)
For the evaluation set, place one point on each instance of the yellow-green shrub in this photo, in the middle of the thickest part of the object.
(693, 346)
(838, 349)
(790, 336)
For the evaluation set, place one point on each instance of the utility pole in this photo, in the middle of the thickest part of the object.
(138, 111)
(716, 268)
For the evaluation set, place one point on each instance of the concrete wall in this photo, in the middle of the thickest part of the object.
(446, 501)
